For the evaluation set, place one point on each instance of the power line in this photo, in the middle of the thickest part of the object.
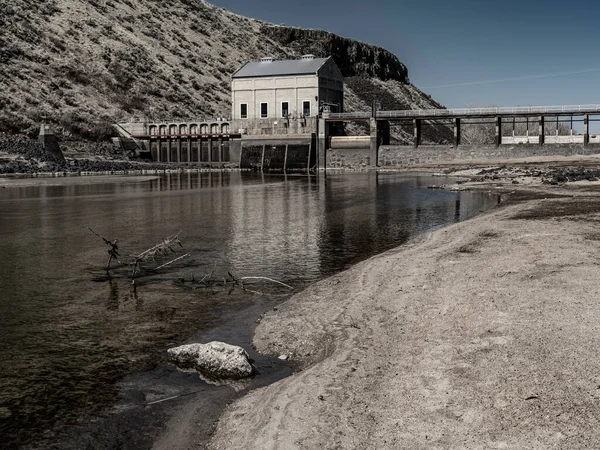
(525, 77)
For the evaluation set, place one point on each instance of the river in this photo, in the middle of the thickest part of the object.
(84, 353)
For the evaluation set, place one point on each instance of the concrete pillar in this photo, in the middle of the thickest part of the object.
(169, 150)
(159, 151)
(285, 158)
(199, 148)
(541, 130)
(210, 149)
(417, 132)
(220, 149)
(586, 130)
(179, 150)
(189, 150)
(456, 132)
(50, 142)
(498, 131)
(322, 137)
(384, 134)
(374, 143)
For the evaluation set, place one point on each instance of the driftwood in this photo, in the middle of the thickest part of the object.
(113, 251)
(211, 281)
(159, 250)
(166, 247)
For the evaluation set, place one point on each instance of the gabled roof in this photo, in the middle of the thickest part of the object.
(276, 68)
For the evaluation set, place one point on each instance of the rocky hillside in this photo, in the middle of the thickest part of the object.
(87, 63)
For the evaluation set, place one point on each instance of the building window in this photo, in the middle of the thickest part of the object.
(264, 110)
(306, 108)
(243, 111)
(285, 109)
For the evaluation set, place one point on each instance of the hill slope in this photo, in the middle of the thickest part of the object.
(88, 63)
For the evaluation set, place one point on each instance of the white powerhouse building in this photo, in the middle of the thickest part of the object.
(279, 97)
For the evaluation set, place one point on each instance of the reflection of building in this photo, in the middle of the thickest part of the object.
(285, 96)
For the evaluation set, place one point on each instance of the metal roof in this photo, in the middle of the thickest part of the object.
(275, 68)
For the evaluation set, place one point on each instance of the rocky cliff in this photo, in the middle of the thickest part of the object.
(87, 63)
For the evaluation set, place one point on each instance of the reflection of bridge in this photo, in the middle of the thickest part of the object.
(379, 122)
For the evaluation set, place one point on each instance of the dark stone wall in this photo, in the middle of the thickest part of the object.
(297, 159)
(251, 157)
(274, 158)
(300, 155)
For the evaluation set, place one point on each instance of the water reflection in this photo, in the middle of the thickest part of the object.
(69, 332)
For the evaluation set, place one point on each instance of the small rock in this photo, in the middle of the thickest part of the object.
(284, 357)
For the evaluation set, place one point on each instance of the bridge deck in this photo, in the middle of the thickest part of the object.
(466, 113)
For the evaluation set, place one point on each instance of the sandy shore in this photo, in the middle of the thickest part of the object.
(481, 335)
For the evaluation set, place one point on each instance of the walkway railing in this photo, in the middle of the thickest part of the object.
(528, 110)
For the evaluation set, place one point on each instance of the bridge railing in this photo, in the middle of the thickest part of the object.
(559, 109)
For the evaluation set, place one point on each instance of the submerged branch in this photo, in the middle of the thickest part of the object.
(172, 261)
(267, 279)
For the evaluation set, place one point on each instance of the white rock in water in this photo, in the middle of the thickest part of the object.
(215, 359)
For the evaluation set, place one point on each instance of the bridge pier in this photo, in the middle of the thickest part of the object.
(169, 147)
(541, 130)
(498, 131)
(322, 138)
(417, 132)
(374, 143)
(158, 150)
(178, 150)
(586, 130)
(456, 132)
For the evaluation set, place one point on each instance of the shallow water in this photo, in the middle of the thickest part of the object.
(69, 334)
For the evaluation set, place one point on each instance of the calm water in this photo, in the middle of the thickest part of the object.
(69, 335)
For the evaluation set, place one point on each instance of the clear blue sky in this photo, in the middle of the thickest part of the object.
(450, 42)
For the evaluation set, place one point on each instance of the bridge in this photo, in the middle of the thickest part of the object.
(213, 141)
(379, 123)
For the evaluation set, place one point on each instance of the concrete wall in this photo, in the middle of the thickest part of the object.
(407, 155)
(402, 156)
(263, 127)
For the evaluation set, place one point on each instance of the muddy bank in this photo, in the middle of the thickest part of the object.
(479, 335)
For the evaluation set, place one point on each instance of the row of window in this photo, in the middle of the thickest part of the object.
(264, 109)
